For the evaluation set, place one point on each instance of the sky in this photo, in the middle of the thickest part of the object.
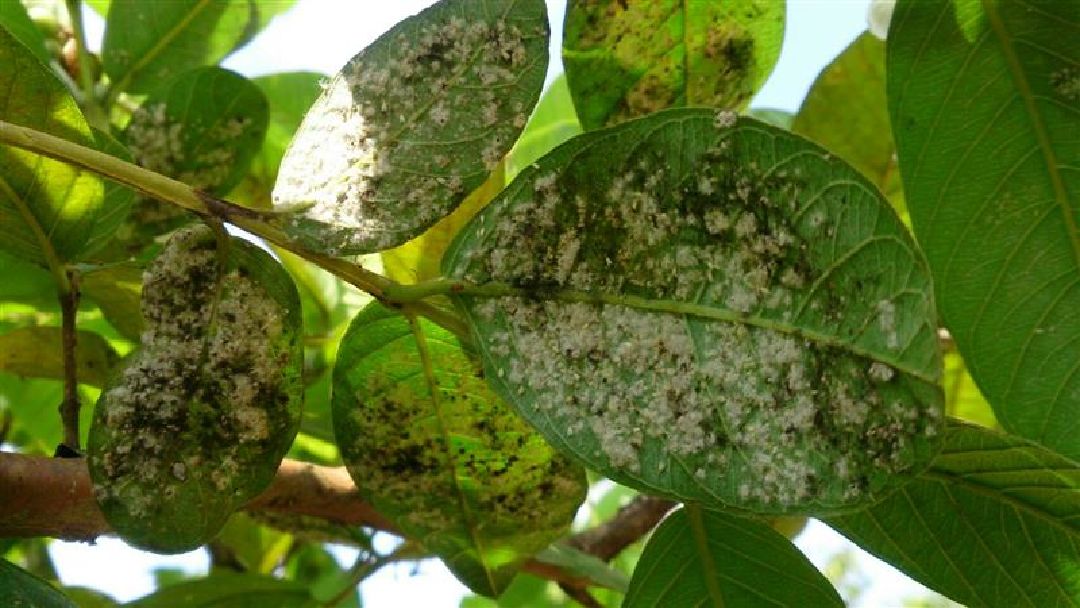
(321, 35)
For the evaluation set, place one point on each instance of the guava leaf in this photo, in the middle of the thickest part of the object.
(202, 129)
(552, 122)
(984, 100)
(14, 18)
(36, 352)
(117, 290)
(20, 588)
(289, 95)
(229, 591)
(195, 424)
(846, 112)
(117, 199)
(628, 58)
(148, 43)
(710, 309)
(413, 124)
(434, 450)
(995, 521)
(46, 207)
(705, 558)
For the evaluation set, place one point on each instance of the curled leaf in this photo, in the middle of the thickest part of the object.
(195, 424)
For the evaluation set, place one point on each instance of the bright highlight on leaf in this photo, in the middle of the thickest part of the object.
(195, 424)
(414, 123)
(709, 309)
(432, 448)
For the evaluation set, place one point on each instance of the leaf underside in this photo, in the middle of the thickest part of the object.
(984, 100)
(414, 123)
(995, 521)
(454, 468)
(709, 310)
(197, 421)
(20, 588)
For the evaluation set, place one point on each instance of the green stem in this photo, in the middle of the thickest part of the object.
(166, 189)
(94, 112)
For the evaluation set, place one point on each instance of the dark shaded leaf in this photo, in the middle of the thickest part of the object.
(994, 522)
(16, 21)
(433, 449)
(705, 558)
(413, 124)
(628, 58)
(710, 309)
(19, 588)
(197, 421)
(229, 591)
(202, 129)
(984, 101)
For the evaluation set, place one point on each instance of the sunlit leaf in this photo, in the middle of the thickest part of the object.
(709, 309)
(117, 200)
(628, 58)
(985, 101)
(20, 588)
(704, 558)
(36, 352)
(552, 122)
(198, 419)
(414, 123)
(148, 43)
(994, 522)
(47, 208)
(433, 449)
(229, 591)
(585, 566)
(845, 111)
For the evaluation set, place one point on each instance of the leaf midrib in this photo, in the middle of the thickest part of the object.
(690, 309)
(165, 40)
(1038, 125)
(52, 258)
(708, 565)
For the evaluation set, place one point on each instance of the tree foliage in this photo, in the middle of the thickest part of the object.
(469, 291)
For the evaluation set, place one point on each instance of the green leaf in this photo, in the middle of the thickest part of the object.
(994, 522)
(584, 565)
(196, 423)
(36, 352)
(846, 112)
(628, 58)
(708, 309)
(20, 588)
(984, 104)
(202, 129)
(552, 122)
(26, 282)
(453, 468)
(289, 94)
(776, 118)
(85, 597)
(413, 124)
(14, 18)
(101, 6)
(148, 43)
(229, 591)
(705, 558)
(117, 290)
(47, 208)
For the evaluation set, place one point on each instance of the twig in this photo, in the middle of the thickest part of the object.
(70, 406)
(631, 523)
(54, 497)
(93, 110)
